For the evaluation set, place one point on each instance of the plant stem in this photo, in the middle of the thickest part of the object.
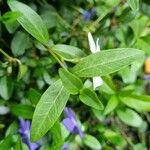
(6, 55)
(57, 59)
(99, 19)
(11, 59)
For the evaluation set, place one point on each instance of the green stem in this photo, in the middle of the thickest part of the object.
(6, 55)
(99, 19)
(57, 59)
(9, 57)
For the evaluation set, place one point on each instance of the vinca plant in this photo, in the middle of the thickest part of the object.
(74, 75)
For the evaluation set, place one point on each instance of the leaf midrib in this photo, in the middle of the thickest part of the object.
(38, 129)
(103, 64)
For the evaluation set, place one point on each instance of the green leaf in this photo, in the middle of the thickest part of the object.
(143, 43)
(90, 98)
(6, 87)
(138, 26)
(113, 137)
(49, 16)
(129, 74)
(12, 26)
(130, 117)
(72, 83)
(8, 142)
(21, 110)
(140, 103)
(30, 21)
(22, 71)
(68, 53)
(10, 17)
(107, 86)
(12, 129)
(106, 62)
(56, 136)
(139, 146)
(91, 142)
(134, 4)
(111, 105)
(34, 96)
(20, 43)
(145, 8)
(48, 109)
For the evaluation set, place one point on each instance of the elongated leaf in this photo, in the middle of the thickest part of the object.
(91, 142)
(12, 129)
(30, 21)
(134, 4)
(6, 87)
(9, 17)
(21, 110)
(20, 43)
(56, 136)
(140, 103)
(113, 137)
(34, 96)
(130, 117)
(68, 53)
(8, 142)
(72, 83)
(107, 86)
(90, 98)
(48, 109)
(111, 105)
(22, 71)
(106, 62)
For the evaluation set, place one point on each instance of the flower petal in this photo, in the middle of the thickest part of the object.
(147, 77)
(91, 43)
(65, 146)
(97, 45)
(22, 124)
(69, 124)
(69, 113)
(97, 81)
(80, 132)
(34, 146)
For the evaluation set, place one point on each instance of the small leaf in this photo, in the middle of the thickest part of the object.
(8, 142)
(72, 83)
(90, 98)
(113, 137)
(12, 129)
(111, 105)
(6, 87)
(12, 26)
(56, 136)
(134, 4)
(20, 43)
(139, 146)
(34, 96)
(106, 62)
(68, 53)
(22, 71)
(130, 117)
(91, 142)
(21, 110)
(107, 86)
(48, 109)
(10, 17)
(138, 26)
(30, 21)
(140, 103)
